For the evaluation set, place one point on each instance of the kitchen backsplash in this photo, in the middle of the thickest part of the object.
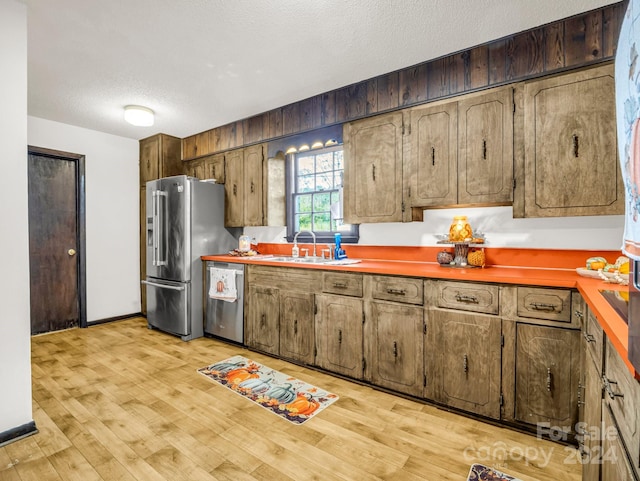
(497, 223)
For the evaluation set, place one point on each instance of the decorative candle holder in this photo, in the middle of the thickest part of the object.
(460, 230)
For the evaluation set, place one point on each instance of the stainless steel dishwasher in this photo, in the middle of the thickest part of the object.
(224, 317)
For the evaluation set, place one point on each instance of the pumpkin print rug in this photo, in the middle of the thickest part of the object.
(479, 472)
(286, 396)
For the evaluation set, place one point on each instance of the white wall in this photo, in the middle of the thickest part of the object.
(497, 223)
(15, 329)
(112, 218)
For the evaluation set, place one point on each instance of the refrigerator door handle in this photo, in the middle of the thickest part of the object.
(158, 229)
(163, 286)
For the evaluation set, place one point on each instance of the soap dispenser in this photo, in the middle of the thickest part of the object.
(339, 252)
(295, 251)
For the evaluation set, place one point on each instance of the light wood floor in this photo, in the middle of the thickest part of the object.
(121, 402)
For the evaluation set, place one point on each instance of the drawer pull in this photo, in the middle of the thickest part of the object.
(399, 292)
(607, 386)
(588, 337)
(465, 298)
(465, 363)
(395, 349)
(341, 285)
(295, 326)
(549, 379)
(541, 306)
(578, 314)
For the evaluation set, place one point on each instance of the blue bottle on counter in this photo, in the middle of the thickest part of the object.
(339, 252)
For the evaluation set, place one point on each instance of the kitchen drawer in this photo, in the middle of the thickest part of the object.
(541, 303)
(594, 338)
(622, 394)
(469, 297)
(342, 283)
(399, 289)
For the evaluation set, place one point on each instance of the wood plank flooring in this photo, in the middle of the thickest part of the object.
(121, 402)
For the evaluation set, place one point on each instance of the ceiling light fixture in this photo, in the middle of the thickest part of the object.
(138, 116)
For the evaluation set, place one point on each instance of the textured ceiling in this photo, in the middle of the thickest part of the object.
(203, 63)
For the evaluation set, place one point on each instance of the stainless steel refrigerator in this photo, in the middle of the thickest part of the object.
(184, 220)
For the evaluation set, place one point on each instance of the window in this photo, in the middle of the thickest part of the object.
(315, 187)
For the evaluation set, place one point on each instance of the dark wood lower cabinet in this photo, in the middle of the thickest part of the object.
(462, 355)
(263, 319)
(339, 335)
(589, 430)
(397, 360)
(615, 464)
(296, 326)
(547, 376)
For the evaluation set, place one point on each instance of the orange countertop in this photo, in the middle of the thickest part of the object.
(539, 267)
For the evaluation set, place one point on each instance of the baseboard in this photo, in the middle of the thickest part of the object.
(18, 433)
(112, 319)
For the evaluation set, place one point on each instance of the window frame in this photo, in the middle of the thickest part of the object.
(322, 237)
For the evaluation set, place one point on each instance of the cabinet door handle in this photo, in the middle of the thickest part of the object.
(549, 379)
(470, 299)
(262, 320)
(576, 145)
(235, 189)
(295, 326)
(541, 306)
(339, 336)
(607, 387)
(484, 149)
(589, 337)
(395, 349)
(399, 292)
(465, 363)
(433, 156)
(213, 171)
(373, 172)
(253, 189)
(341, 285)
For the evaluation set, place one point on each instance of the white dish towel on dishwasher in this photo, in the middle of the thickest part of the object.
(223, 284)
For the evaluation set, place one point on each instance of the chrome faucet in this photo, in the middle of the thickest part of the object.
(295, 240)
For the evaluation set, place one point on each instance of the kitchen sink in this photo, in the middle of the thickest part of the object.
(312, 260)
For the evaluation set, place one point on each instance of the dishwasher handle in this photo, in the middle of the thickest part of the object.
(163, 286)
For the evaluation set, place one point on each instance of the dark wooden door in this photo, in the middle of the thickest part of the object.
(53, 242)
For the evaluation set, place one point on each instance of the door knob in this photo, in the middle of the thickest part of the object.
(71, 252)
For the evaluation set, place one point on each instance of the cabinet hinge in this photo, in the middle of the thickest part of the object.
(501, 400)
(364, 364)
(513, 99)
(315, 351)
(514, 184)
(501, 340)
(315, 308)
(363, 316)
(424, 381)
(424, 327)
